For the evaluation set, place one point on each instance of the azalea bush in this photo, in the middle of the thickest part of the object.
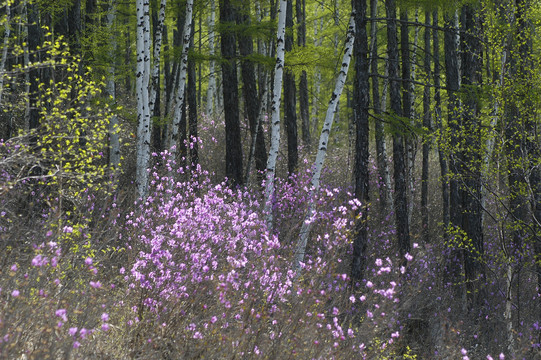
(206, 270)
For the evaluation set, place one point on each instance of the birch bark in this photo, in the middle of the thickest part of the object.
(275, 112)
(143, 109)
(181, 88)
(154, 88)
(322, 148)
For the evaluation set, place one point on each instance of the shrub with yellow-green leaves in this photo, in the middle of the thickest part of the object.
(65, 157)
(73, 136)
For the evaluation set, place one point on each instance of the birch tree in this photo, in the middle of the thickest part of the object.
(143, 109)
(322, 147)
(275, 112)
(181, 87)
(154, 85)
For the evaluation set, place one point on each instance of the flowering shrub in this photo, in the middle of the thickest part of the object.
(206, 269)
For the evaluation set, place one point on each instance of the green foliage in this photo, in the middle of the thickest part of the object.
(73, 135)
(310, 57)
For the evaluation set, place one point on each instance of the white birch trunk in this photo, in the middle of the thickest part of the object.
(180, 94)
(143, 110)
(275, 112)
(211, 89)
(114, 138)
(7, 32)
(157, 52)
(322, 148)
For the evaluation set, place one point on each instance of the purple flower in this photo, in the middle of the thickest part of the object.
(105, 317)
(15, 293)
(61, 313)
(88, 261)
(72, 331)
(14, 267)
(39, 260)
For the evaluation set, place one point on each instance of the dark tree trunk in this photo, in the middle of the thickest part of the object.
(406, 64)
(233, 140)
(385, 192)
(191, 98)
(251, 97)
(407, 108)
(427, 125)
(453, 262)
(471, 172)
(290, 100)
(34, 37)
(452, 76)
(75, 27)
(401, 200)
(361, 103)
(438, 119)
(90, 10)
(303, 82)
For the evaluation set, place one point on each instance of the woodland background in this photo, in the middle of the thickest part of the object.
(274, 179)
